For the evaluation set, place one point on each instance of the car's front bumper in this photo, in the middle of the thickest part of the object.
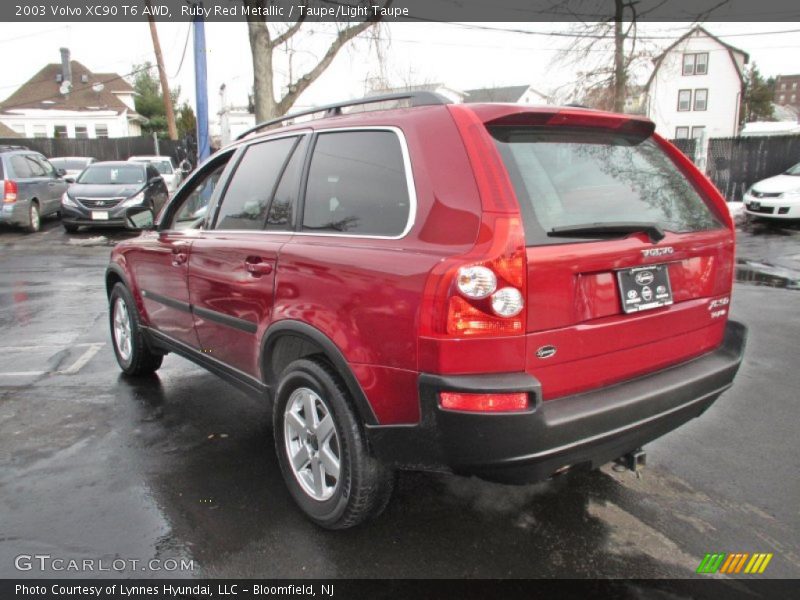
(772, 208)
(83, 216)
(581, 431)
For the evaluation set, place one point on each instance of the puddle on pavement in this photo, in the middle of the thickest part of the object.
(763, 273)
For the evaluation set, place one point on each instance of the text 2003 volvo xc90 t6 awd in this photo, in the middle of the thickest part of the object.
(497, 290)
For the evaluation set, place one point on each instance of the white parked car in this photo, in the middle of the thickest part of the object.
(171, 174)
(72, 165)
(776, 197)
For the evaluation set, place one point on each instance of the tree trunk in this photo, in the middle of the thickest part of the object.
(620, 77)
(261, 47)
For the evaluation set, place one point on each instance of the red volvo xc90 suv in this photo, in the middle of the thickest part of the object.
(492, 289)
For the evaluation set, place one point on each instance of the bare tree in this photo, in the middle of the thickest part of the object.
(609, 48)
(265, 39)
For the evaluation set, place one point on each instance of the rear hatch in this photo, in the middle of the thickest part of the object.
(629, 263)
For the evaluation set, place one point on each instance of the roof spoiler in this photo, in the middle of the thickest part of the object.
(629, 125)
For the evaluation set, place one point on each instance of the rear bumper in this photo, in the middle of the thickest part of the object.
(581, 431)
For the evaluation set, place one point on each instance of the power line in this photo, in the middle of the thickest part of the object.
(183, 54)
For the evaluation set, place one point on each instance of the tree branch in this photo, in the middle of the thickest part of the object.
(291, 31)
(344, 36)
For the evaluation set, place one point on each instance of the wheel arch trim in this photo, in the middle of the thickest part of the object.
(290, 327)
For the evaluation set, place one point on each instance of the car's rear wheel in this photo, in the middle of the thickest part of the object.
(322, 450)
(34, 218)
(133, 354)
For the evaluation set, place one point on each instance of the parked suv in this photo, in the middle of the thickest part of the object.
(487, 289)
(32, 188)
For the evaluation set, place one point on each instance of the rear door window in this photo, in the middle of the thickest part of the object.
(247, 197)
(281, 211)
(575, 178)
(357, 185)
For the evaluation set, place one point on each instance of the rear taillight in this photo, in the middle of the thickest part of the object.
(483, 291)
(9, 191)
(469, 296)
(484, 402)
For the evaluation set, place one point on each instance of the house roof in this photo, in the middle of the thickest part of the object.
(42, 91)
(731, 49)
(509, 93)
(7, 132)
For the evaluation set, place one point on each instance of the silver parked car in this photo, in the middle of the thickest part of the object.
(31, 187)
(72, 165)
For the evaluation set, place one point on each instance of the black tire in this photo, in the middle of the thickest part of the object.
(365, 485)
(139, 359)
(70, 228)
(35, 218)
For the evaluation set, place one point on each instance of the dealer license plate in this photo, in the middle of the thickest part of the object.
(644, 288)
(100, 215)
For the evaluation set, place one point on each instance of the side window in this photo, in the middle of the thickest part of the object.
(37, 170)
(193, 208)
(21, 166)
(357, 184)
(280, 217)
(49, 170)
(246, 200)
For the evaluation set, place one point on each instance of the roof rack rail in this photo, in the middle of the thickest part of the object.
(7, 147)
(331, 110)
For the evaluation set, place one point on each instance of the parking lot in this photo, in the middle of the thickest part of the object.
(181, 466)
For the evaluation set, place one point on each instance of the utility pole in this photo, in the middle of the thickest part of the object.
(162, 75)
(201, 88)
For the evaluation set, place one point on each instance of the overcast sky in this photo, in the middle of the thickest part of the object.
(459, 55)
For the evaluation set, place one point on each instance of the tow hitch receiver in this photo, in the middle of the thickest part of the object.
(633, 461)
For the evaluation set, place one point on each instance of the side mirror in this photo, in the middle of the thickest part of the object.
(138, 218)
(60, 172)
(69, 179)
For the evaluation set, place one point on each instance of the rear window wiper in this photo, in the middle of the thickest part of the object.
(610, 229)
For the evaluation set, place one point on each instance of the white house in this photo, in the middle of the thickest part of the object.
(695, 89)
(67, 100)
(514, 94)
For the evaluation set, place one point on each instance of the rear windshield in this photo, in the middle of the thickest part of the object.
(112, 174)
(565, 178)
(69, 164)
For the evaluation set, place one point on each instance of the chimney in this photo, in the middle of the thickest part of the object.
(66, 68)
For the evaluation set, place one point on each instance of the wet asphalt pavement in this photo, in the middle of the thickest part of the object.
(94, 465)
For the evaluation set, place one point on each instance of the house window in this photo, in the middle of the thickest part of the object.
(101, 131)
(695, 64)
(793, 98)
(19, 128)
(681, 133)
(783, 87)
(60, 131)
(81, 132)
(782, 98)
(794, 85)
(700, 99)
(40, 131)
(698, 132)
(684, 100)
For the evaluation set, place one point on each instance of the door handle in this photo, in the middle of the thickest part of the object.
(179, 255)
(257, 267)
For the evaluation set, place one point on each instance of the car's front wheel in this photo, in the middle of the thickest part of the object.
(133, 354)
(322, 450)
